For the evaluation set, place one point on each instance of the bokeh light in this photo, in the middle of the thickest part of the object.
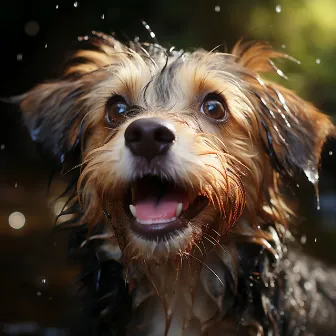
(58, 207)
(16, 220)
(32, 28)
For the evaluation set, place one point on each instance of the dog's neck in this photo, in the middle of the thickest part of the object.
(185, 296)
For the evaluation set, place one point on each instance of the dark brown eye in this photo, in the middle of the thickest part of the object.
(215, 108)
(116, 110)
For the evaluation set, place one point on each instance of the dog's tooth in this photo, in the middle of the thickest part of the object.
(178, 209)
(133, 209)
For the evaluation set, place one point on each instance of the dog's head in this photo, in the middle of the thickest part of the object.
(175, 147)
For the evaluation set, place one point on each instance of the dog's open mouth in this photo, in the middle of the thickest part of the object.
(161, 208)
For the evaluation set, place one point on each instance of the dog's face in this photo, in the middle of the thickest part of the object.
(174, 147)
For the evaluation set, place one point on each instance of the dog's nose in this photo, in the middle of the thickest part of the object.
(149, 137)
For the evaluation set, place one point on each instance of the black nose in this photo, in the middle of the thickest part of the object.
(149, 137)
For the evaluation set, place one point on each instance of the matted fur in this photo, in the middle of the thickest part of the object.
(229, 272)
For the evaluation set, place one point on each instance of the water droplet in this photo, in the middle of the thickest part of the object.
(278, 9)
(330, 153)
(217, 9)
(38, 293)
(16, 220)
(103, 16)
(318, 61)
(315, 240)
(75, 4)
(19, 57)
(15, 185)
(46, 45)
(283, 46)
(56, 6)
(152, 34)
(44, 281)
(298, 186)
(303, 239)
(32, 28)
(2, 147)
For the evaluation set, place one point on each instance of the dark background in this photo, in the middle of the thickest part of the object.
(36, 280)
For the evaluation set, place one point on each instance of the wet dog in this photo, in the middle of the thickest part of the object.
(180, 162)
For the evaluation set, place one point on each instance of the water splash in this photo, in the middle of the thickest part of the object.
(318, 61)
(278, 9)
(313, 177)
(217, 9)
(151, 33)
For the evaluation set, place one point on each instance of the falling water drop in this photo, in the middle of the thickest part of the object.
(318, 206)
(217, 9)
(19, 57)
(103, 16)
(38, 293)
(278, 9)
(2, 147)
(56, 6)
(318, 61)
(46, 45)
(303, 240)
(15, 185)
(330, 153)
(283, 46)
(75, 4)
(315, 240)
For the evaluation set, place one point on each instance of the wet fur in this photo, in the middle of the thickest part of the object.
(235, 270)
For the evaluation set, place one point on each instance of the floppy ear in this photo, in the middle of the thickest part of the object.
(293, 130)
(53, 112)
(52, 116)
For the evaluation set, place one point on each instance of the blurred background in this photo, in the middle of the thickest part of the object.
(36, 279)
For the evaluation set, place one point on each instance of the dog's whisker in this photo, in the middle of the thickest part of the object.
(207, 266)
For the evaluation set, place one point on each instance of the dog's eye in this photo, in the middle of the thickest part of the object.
(214, 108)
(116, 109)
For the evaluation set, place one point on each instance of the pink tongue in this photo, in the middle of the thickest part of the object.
(149, 208)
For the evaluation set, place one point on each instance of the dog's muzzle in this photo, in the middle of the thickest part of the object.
(158, 205)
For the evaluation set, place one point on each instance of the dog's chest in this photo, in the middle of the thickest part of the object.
(183, 306)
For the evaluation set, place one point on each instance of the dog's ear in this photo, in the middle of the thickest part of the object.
(53, 112)
(292, 129)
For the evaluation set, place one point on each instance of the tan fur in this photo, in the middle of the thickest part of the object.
(226, 162)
